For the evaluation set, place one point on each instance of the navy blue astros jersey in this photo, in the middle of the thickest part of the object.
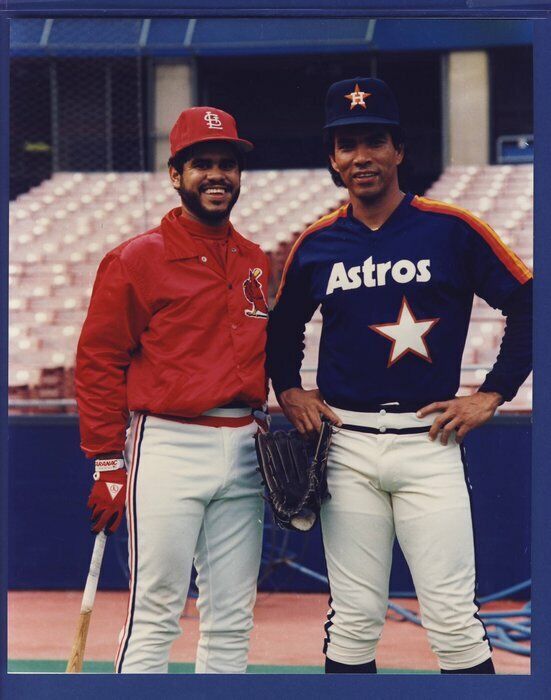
(396, 302)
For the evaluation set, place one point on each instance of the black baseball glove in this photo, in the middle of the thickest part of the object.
(294, 473)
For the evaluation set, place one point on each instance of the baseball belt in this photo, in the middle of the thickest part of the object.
(385, 431)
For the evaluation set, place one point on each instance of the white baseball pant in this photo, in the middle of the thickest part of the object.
(194, 496)
(384, 485)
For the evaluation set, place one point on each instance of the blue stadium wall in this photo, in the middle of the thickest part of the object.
(49, 542)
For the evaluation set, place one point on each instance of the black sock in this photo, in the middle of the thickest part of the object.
(336, 667)
(485, 667)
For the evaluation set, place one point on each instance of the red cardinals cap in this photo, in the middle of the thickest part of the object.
(205, 124)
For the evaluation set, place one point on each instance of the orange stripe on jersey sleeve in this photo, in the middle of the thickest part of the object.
(510, 259)
(326, 220)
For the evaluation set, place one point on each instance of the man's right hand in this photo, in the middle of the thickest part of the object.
(304, 409)
(108, 495)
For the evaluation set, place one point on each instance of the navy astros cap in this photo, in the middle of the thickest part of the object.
(360, 101)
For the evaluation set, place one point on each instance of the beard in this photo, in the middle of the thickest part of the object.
(192, 201)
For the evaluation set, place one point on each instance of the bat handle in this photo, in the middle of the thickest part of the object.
(77, 653)
(91, 586)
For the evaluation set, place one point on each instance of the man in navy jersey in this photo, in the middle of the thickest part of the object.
(395, 276)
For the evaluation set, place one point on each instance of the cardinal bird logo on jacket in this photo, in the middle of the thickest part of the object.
(252, 289)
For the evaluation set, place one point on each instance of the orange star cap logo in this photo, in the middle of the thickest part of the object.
(357, 97)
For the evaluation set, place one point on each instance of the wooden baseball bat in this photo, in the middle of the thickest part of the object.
(74, 664)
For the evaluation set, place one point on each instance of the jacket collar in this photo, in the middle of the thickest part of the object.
(178, 238)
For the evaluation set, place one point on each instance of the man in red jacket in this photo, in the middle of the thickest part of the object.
(170, 342)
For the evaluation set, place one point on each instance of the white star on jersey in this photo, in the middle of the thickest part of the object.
(407, 334)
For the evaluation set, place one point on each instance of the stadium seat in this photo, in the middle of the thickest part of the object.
(60, 230)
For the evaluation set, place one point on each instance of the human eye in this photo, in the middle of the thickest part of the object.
(228, 164)
(345, 145)
(378, 140)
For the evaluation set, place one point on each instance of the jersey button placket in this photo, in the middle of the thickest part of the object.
(234, 326)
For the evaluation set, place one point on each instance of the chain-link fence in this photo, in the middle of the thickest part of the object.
(76, 114)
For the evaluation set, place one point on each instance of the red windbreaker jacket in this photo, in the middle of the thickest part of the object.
(167, 333)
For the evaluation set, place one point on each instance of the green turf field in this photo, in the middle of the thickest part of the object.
(47, 666)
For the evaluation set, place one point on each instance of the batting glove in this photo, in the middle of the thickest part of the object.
(108, 495)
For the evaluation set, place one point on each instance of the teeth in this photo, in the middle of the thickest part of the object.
(215, 190)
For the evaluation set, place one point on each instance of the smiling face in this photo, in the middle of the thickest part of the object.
(367, 161)
(209, 182)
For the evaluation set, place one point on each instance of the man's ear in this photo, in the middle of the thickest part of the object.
(333, 163)
(175, 177)
(400, 155)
